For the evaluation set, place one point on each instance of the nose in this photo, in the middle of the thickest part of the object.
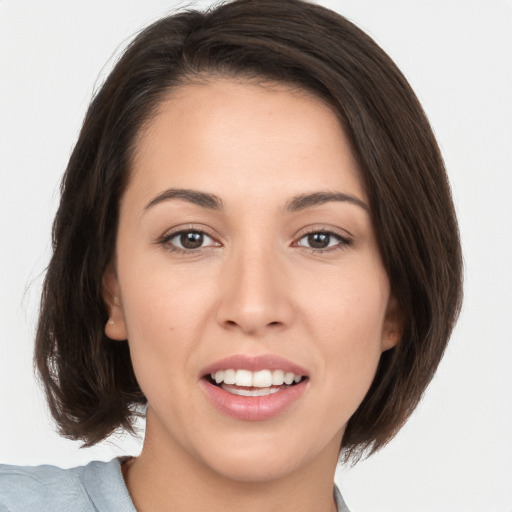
(254, 297)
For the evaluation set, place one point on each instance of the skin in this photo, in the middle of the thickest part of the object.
(254, 287)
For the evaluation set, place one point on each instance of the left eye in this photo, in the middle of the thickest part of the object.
(321, 240)
(190, 240)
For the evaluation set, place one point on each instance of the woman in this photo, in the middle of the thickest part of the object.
(256, 246)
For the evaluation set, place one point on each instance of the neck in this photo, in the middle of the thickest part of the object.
(170, 478)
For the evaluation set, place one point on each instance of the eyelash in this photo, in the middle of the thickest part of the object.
(165, 241)
(342, 241)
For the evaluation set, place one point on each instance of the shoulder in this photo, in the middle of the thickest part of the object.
(42, 488)
(39, 488)
(45, 488)
(341, 506)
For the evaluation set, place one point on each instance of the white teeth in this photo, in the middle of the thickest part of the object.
(229, 377)
(278, 377)
(243, 378)
(259, 379)
(253, 392)
(262, 379)
(288, 378)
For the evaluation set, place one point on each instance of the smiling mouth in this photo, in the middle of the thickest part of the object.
(254, 384)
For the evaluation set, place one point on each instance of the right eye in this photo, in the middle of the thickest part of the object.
(189, 240)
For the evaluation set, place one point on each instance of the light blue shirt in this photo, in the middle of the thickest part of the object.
(97, 487)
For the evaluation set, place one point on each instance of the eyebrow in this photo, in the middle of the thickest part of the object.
(202, 199)
(296, 204)
(304, 201)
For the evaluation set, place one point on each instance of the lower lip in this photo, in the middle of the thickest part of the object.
(253, 408)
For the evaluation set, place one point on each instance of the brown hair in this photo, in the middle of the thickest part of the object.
(89, 379)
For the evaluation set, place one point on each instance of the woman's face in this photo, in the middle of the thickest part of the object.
(246, 259)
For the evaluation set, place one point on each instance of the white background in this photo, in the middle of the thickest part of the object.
(455, 454)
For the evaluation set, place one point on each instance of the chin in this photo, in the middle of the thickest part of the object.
(256, 470)
(267, 458)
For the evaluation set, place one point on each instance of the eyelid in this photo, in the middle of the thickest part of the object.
(165, 239)
(345, 239)
(323, 228)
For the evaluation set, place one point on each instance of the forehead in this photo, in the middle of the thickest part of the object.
(227, 136)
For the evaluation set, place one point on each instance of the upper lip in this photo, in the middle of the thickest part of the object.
(254, 364)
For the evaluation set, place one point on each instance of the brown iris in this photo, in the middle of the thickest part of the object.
(319, 240)
(191, 240)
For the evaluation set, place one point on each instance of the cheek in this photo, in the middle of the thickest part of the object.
(164, 315)
(347, 304)
(159, 297)
(346, 319)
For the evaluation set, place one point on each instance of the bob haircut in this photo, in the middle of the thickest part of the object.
(88, 378)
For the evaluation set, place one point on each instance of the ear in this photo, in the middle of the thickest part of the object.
(115, 327)
(392, 328)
